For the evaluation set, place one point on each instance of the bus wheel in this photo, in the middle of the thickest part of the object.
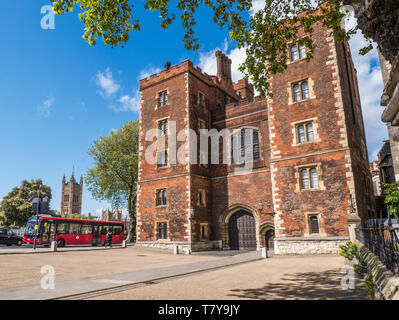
(60, 243)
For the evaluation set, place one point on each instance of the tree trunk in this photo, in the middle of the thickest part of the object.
(132, 215)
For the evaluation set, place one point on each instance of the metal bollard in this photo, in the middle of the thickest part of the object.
(54, 246)
(264, 253)
(176, 250)
(124, 244)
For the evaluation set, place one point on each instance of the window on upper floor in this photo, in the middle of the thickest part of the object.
(201, 124)
(298, 51)
(162, 98)
(162, 159)
(201, 198)
(309, 178)
(161, 197)
(300, 90)
(304, 132)
(245, 145)
(201, 99)
(163, 127)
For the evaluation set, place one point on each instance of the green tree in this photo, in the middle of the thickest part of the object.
(78, 216)
(392, 197)
(115, 172)
(264, 34)
(16, 206)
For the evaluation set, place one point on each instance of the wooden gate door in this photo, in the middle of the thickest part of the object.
(242, 231)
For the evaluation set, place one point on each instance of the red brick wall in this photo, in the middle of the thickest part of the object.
(339, 150)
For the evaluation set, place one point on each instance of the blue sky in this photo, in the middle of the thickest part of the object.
(58, 94)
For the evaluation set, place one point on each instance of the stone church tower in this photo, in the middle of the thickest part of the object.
(71, 196)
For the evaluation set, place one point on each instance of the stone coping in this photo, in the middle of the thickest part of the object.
(386, 283)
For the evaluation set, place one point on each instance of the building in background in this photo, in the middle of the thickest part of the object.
(306, 147)
(71, 196)
(111, 215)
(385, 163)
(375, 175)
(378, 20)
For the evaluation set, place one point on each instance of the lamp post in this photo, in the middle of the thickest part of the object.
(38, 201)
(37, 218)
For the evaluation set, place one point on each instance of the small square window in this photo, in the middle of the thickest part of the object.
(162, 159)
(163, 127)
(161, 197)
(304, 132)
(162, 98)
(300, 90)
(298, 51)
(309, 178)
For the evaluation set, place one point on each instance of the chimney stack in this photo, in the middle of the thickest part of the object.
(223, 66)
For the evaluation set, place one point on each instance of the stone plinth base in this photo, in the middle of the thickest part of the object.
(182, 246)
(308, 245)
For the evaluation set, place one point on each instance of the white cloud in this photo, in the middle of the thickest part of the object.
(371, 88)
(45, 107)
(207, 61)
(256, 6)
(145, 73)
(123, 102)
(128, 103)
(107, 84)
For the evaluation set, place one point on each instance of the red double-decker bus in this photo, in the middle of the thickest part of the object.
(71, 231)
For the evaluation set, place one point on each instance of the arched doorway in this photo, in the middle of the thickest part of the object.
(242, 231)
(269, 239)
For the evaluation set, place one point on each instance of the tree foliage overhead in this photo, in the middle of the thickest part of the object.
(264, 34)
(16, 206)
(115, 172)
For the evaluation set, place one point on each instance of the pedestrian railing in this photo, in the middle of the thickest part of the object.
(383, 241)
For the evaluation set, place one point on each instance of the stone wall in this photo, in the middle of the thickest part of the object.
(386, 285)
(308, 245)
(184, 247)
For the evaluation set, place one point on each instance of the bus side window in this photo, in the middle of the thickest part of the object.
(117, 230)
(86, 229)
(62, 228)
(74, 228)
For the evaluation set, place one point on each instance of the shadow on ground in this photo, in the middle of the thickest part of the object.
(305, 286)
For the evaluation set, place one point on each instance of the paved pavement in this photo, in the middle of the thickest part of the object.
(83, 285)
(138, 273)
(278, 278)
